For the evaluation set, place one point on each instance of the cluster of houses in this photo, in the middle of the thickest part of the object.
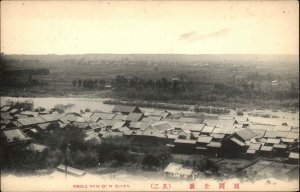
(187, 132)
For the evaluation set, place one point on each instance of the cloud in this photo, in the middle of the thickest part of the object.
(195, 36)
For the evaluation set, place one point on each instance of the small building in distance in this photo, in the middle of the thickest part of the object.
(176, 170)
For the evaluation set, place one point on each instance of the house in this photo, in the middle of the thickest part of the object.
(69, 117)
(162, 126)
(81, 125)
(207, 130)
(5, 116)
(226, 117)
(295, 129)
(48, 126)
(172, 169)
(185, 145)
(253, 149)
(226, 130)
(162, 114)
(178, 171)
(92, 119)
(176, 115)
(217, 136)
(97, 126)
(282, 128)
(270, 134)
(120, 117)
(126, 109)
(125, 130)
(214, 148)
(176, 124)
(138, 125)
(14, 111)
(266, 150)
(190, 120)
(29, 122)
(280, 150)
(86, 114)
(262, 127)
(293, 135)
(287, 141)
(193, 127)
(118, 125)
(259, 132)
(241, 119)
(103, 116)
(158, 129)
(226, 122)
(30, 113)
(80, 120)
(5, 108)
(293, 157)
(134, 117)
(204, 140)
(108, 123)
(51, 117)
(211, 122)
(245, 134)
(151, 119)
(14, 137)
(272, 141)
(237, 142)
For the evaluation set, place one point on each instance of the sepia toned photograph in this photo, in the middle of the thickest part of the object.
(149, 95)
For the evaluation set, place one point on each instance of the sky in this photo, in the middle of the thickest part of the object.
(128, 27)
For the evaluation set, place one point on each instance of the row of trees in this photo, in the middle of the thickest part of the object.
(89, 83)
(180, 89)
(26, 105)
(255, 76)
(176, 85)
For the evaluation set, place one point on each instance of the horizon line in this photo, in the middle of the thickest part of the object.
(45, 54)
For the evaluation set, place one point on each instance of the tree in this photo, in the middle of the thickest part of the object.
(26, 105)
(293, 86)
(252, 86)
(74, 82)
(150, 161)
(79, 83)
(119, 156)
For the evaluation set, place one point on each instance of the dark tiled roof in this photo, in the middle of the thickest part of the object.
(134, 116)
(246, 134)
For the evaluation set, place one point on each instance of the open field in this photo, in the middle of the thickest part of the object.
(217, 80)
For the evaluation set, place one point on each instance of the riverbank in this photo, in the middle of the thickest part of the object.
(218, 107)
(170, 106)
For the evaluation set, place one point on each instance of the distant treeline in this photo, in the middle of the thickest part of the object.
(21, 78)
(191, 92)
(89, 83)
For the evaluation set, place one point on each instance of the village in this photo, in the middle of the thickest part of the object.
(233, 144)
